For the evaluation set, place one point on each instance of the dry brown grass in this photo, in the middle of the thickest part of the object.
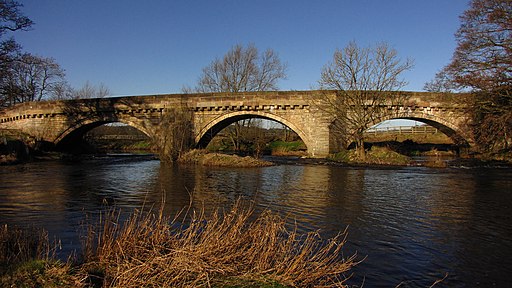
(431, 138)
(233, 248)
(151, 250)
(205, 158)
(21, 245)
(27, 259)
(283, 151)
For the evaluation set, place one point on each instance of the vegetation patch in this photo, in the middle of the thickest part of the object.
(437, 153)
(375, 156)
(231, 248)
(40, 273)
(386, 156)
(203, 157)
(26, 260)
(219, 250)
(421, 138)
(284, 148)
(435, 162)
(15, 146)
(8, 159)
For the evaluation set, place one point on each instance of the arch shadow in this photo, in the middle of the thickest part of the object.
(74, 134)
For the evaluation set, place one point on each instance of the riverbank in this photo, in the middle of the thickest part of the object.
(18, 148)
(231, 249)
(15, 147)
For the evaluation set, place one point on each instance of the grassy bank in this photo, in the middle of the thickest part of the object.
(422, 138)
(203, 157)
(27, 259)
(375, 156)
(234, 248)
(283, 148)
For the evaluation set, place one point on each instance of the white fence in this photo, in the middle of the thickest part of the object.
(403, 130)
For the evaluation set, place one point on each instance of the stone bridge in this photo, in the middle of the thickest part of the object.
(61, 122)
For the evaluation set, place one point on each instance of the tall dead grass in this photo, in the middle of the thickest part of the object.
(27, 259)
(21, 245)
(234, 246)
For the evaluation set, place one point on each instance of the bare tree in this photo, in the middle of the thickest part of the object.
(442, 83)
(483, 57)
(174, 134)
(365, 79)
(23, 76)
(11, 19)
(62, 91)
(482, 63)
(32, 78)
(89, 90)
(242, 69)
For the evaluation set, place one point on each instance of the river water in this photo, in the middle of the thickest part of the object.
(412, 225)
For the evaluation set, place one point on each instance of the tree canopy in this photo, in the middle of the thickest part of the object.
(11, 18)
(482, 63)
(483, 57)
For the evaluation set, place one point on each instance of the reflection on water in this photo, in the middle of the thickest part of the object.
(412, 224)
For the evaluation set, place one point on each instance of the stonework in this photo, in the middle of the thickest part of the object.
(59, 121)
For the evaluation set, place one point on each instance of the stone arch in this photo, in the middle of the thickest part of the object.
(79, 129)
(450, 129)
(209, 131)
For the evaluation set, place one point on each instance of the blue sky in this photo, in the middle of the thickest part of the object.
(156, 46)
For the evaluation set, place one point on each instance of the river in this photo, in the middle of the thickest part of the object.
(412, 225)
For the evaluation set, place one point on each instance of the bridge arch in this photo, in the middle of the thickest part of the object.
(79, 129)
(451, 130)
(211, 129)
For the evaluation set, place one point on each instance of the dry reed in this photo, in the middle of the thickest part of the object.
(27, 259)
(21, 245)
(152, 250)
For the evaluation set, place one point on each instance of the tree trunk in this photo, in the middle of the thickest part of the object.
(361, 153)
